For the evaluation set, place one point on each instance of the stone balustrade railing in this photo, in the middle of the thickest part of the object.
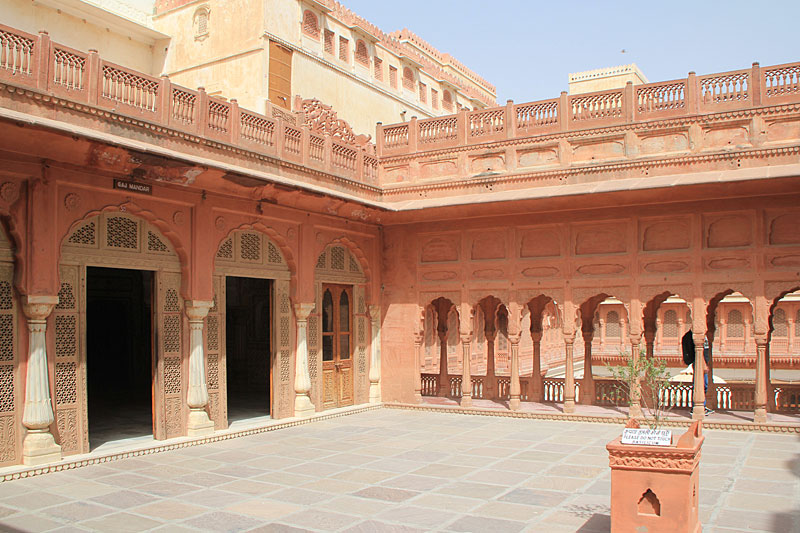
(35, 62)
(733, 396)
(694, 95)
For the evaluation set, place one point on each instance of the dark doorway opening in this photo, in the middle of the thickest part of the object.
(119, 353)
(248, 345)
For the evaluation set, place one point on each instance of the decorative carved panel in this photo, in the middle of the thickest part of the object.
(665, 235)
(539, 242)
(601, 239)
(440, 248)
(785, 228)
(489, 245)
(728, 231)
(215, 356)
(70, 360)
(283, 367)
(170, 395)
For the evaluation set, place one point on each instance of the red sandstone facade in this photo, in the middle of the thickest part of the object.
(489, 236)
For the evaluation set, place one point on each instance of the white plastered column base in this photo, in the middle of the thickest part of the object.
(199, 424)
(39, 447)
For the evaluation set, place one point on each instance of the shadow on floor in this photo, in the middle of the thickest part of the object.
(597, 523)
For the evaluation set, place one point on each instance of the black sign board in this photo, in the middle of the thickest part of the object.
(133, 186)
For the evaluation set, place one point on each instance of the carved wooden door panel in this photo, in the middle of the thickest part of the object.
(70, 361)
(337, 345)
(280, 75)
(169, 386)
(215, 357)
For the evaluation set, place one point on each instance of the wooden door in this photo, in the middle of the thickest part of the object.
(280, 75)
(337, 345)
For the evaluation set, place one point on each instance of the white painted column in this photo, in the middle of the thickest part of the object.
(303, 407)
(197, 398)
(375, 353)
(39, 446)
(466, 377)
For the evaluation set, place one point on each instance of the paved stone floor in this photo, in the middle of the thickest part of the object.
(400, 471)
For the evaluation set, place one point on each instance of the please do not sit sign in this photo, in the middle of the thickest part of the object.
(646, 437)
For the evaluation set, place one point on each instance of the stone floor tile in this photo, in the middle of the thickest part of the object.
(334, 486)
(204, 479)
(122, 522)
(320, 520)
(348, 459)
(284, 478)
(123, 499)
(759, 521)
(263, 509)
(510, 511)
(497, 477)
(279, 528)
(417, 516)
(385, 493)
(539, 456)
(522, 466)
(364, 507)
(170, 510)
(443, 470)
(762, 502)
(482, 524)
(543, 498)
(316, 469)
(27, 522)
(67, 529)
(249, 486)
(299, 496)
(472, 490)
(399, 466)
(761, 487)
(413, 482)
(76, 511)
(570, 470)
(33, 501)
(213, 498)
(81, 490)
(375, 526)
(557, 483)
(223, 522)
(169, 471)
(167, 489)
(364, 475)
(126, 480)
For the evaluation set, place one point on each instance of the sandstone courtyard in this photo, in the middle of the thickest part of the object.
(395, 470)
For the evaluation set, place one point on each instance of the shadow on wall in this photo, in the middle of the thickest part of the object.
(790, 520)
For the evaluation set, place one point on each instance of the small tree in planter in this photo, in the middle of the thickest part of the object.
(653, 487)
(652, 377)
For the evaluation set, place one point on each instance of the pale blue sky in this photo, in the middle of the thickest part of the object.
(527, 48)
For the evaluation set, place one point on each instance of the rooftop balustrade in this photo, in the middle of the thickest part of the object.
(694, 95)
(35, 62)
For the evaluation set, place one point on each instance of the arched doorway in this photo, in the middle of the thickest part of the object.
(248, 341)
(337, 331)
(119, 352)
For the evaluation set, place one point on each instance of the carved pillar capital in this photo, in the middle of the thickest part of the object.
(38, 307)
(197, 310)
(302, 310)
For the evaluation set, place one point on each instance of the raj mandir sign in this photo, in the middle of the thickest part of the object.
(646, 437)
(133, 186)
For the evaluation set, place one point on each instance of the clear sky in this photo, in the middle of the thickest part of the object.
(526, 48)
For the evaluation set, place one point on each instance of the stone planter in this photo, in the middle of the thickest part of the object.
(656, 488)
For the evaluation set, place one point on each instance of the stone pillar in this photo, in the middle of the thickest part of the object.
(760, 416)
(197, 398)
(635, 410)
(303, 407)
(790, 331)
(375, 359)
(39, 446)
(587, 383)
(699, 396)
(537, 394)
(569, 374)
(490, 383)
(649, 343)
(417, 365)
(466, 378)
(444, 376)
(513, 402)
(601, 326)
(711, 397)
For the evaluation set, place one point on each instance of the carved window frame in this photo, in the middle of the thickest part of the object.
(200, 22)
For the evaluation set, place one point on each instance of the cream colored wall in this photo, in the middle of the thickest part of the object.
(77, 33)
(603, 84)
(360, 105)
(282, 19)
(229, 60)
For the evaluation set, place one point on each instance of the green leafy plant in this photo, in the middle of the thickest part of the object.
(652, 376)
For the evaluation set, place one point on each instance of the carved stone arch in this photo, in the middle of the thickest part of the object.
(133, 210)
(16, 245)
(356, 253)
(276, 238)
(774, 291)
(712, 301)
(476, 296)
